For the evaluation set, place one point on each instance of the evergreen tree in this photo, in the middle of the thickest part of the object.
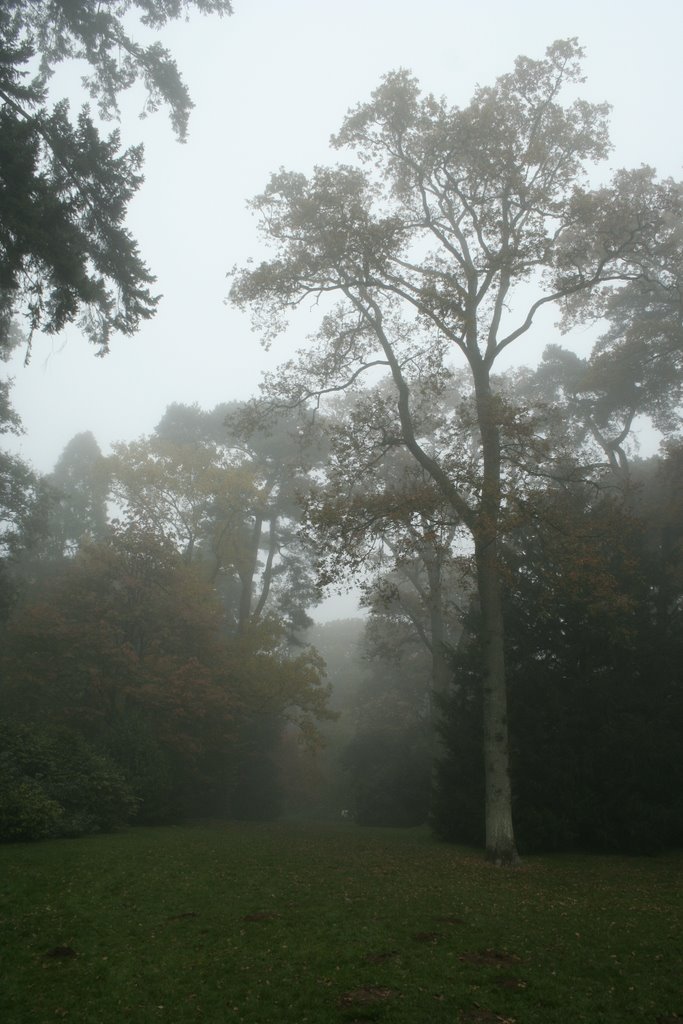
(65, 252)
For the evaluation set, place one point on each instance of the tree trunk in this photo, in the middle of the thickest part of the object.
(246, 576)
(483, 524)
(500, 840)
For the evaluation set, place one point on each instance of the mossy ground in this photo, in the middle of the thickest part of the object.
(298, 924)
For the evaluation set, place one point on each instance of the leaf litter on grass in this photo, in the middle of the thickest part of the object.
(479, 1015)
(489, 958)
(428, 937)
(366, 994)
(381, 958)
(536, 917)
(511, 984)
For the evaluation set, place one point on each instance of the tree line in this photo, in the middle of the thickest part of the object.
(510, 548)
(162, 641)
(159, 660)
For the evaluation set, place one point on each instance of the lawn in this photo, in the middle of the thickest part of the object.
(332, 924)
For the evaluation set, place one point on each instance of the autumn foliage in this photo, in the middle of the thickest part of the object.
(125, 647)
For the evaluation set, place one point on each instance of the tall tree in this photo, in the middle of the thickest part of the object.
(176, 490)
(262, 557)
(65, 252)
(80, 480)
(458, 226)
(24, 498)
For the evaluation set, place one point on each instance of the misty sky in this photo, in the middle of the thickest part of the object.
(270, 85)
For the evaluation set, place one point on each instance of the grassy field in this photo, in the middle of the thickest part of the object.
(277, 924)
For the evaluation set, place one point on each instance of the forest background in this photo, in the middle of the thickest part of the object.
(156, 659)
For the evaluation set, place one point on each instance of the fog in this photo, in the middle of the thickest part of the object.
(519, 656)
(270, 85)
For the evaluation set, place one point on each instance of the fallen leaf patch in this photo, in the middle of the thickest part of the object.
(61, 952)
(366, 994)
(488, 958)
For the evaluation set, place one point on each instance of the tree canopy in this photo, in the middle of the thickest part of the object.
(443, 240)
(65, 252)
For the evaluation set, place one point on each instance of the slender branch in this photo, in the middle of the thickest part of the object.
(369, 308)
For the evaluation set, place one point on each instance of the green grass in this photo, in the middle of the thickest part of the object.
(292, 924)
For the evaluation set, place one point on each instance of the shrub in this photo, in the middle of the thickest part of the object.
(56, 784)
(26, 811)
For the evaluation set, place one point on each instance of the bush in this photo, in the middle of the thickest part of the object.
(56, 784)
(26, 812)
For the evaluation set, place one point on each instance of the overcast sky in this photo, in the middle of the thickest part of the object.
(270, 85)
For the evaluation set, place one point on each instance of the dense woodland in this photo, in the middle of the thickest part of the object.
(521, 564)
(159, 661)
